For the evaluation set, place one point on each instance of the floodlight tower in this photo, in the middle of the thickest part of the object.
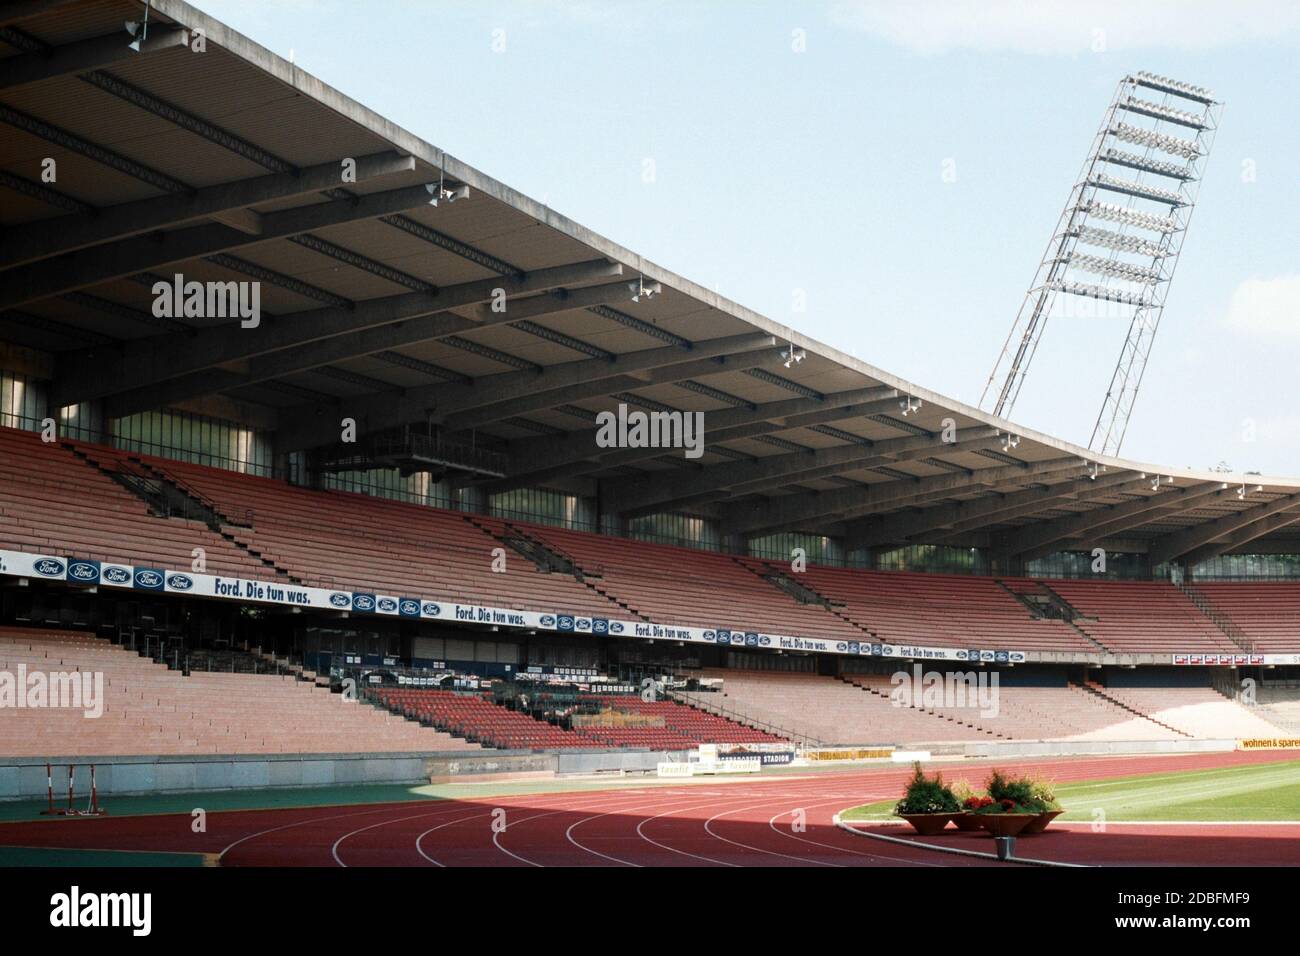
(1146, 200)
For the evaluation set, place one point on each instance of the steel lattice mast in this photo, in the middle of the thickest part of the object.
(1144, 199)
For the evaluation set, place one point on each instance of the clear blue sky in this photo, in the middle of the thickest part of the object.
(821, 170)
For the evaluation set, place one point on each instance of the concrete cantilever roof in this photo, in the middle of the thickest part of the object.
(224, 165)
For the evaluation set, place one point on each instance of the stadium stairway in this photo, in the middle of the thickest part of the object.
(151, 710)
(52, 501)
(546, 558)
(167, 495)
(1191, 711)
(1221, 620)
(1280, 706)
(1038, 598)
(1097, 690)
(1266, 614)
(801, 592)
(880, 686)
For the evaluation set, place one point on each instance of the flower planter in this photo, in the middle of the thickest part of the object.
(927, 824)
(968, 822)
(1039, 823)
(1005, 824)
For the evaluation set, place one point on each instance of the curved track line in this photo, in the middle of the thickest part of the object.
(952, 849)
(568, 833)
(334, 849)
(708, 828)
(771, 823)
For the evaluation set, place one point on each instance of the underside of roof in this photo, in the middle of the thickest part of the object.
(463, 327)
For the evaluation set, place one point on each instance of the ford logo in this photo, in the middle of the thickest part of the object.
(48, 567)
(724, 637)
(431, 609)
(841, 646)
(363, 602)
(582, 624)
(179, 582)
(147, 578)
(547, 620)
(117, 575)
(410, 607)
(599, 626)
(387, 604)
(615, 627)
(764, 640)
(751, 640)
(83, 571)
(340, 600)
(710, 635)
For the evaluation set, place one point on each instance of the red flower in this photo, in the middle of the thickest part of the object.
(1008, 805)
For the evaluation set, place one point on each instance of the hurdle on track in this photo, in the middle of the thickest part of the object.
(92, 809)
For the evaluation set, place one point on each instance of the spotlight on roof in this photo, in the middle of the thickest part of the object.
(1010, 441)
(139, 30)
(909, 404)
(439, 192)
(792, 355)
(641, 288)
(1094, 470)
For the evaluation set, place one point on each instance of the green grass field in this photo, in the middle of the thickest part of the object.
(1265, 792)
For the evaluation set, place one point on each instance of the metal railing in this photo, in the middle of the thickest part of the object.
(805, 740)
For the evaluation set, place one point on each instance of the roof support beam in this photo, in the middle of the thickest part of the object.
(655, 491)
(1048, 535)
(939, 523)
(578, 452)
(816, 508)
(629, 370)
(65, 234)
(89, 267)
(1119, 526)
(95, 373)
(26, 9)
(553, 385)
(84, 55)
(369, 341)
(35, 126)
(1242, 536)
(1180, 543)
(1122, 526)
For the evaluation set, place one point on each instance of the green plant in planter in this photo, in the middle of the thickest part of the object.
(1044, 792)
(1017, 795)
(926, 795)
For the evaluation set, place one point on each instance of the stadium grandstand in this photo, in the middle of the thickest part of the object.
(316, 440)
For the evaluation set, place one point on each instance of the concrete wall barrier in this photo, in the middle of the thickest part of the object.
(24, 778)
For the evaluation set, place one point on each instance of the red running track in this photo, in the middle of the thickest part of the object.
(777, 821)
